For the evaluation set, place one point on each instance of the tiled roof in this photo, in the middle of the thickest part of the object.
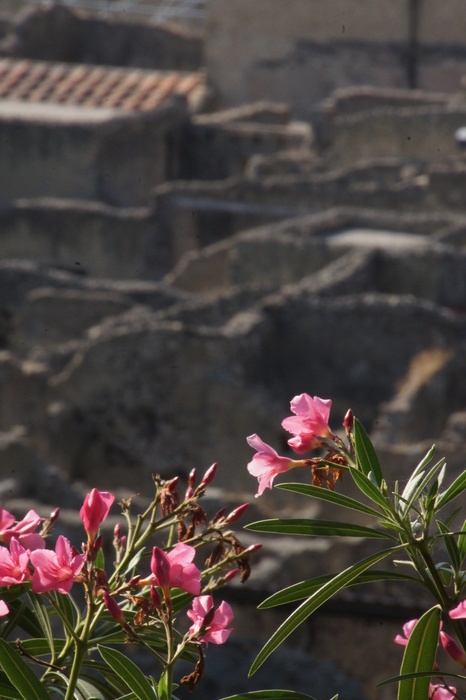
(80, 85)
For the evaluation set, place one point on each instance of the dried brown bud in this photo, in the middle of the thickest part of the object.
(193, 678)
(169, 498)
(215, 556)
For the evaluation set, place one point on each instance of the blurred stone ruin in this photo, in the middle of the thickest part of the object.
(173, 269)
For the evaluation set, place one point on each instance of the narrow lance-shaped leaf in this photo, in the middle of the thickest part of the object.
(318, 598)
(374, 494)
(365, 454)
(304, 589)
(424, 461)
(8, 691)
(20, 675)
(42, 617)
(128, 672)
(419, 656)
(315, 528)
(270, 695)
(454, 490)
(462, 542)
(330, 497)
(416, 486)
(450, 544)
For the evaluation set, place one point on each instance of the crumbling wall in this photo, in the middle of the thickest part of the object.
(84, 154)
(257, 49)
(58, 33)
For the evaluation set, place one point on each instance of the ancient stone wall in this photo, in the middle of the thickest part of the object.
(83, 38)
(299, 55)
(78, 153)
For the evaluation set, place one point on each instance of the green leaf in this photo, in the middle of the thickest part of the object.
(462, 542)
(304, 589)
(336, 584)
(270, 695)
(329, 496)
(365, 454)
(314, 528)
(89, 691)
(7, 691)
(450, 544)
(22, 616)
(366, 486)
(68, 609)
(424, 461)
(43, 619)
(419, 656)
(131, 674)
(454, 490)
(416, 486)
(40, 646)
(20, 675)
(100, 559)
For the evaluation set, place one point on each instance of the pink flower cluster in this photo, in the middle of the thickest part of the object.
(176, 570)
(309, 426)
(25, 560)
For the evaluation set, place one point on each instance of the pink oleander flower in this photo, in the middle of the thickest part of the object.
(95, 510)
(407, 631)
(309, 423)
(56, 570)
(14, 564)
(4, 609)
(267, 463)
(211, 624)
(175, 569)
(441, 692)
(23, 530)
(459, 612)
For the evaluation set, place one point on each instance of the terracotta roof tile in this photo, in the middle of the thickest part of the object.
(97, 87)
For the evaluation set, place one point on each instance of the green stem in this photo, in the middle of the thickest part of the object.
(81, 645)
(441, 594)
(166, 680)
(460, 632)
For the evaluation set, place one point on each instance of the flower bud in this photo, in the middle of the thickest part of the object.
(219, 515)
(54, 515)
(172, 484)
(252, 548)
(114, 609)
(95, 510)
(236, 513)
(348, 420)
(452, 648)
(160, 566)
(230, 575)
(192, 478)
(156, 600)
(209, 475)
